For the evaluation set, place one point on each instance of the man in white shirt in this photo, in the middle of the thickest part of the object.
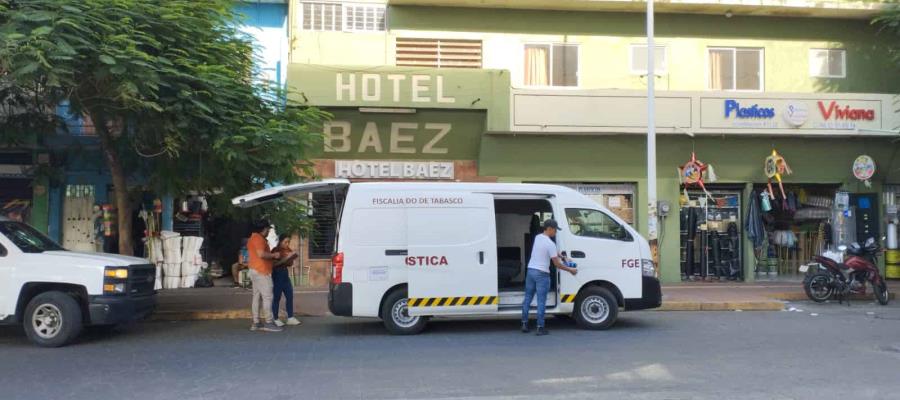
(537, 278)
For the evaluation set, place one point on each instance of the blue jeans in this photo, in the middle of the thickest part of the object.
(281, 284)
(540, 281)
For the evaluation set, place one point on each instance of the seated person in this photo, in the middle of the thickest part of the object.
(241, 264)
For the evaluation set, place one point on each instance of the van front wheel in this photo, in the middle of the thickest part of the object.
(395, 314)
(596, 309)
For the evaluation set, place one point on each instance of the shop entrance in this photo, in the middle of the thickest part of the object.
(808, 220)
(79, 229)
(711, 234)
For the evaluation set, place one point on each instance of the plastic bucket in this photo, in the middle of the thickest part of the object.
(892, 271)
(892, 257)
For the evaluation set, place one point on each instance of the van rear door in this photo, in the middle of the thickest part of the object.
(452, 253)
(298, 189)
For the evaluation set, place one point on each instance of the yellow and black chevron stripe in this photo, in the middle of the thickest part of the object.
(568, 298)
(453, 301)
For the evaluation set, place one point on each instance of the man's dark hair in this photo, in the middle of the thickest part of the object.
(261, 224)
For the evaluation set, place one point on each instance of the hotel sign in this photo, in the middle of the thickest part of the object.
(372, 169)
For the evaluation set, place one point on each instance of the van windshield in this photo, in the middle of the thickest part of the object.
(26, 238)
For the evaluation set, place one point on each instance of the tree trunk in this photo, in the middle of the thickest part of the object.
(120, 184)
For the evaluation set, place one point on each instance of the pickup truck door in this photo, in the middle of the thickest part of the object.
(452, 254)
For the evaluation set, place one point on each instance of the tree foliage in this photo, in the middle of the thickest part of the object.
(889, 22)
(171, 86)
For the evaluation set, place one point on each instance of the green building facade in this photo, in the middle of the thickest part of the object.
(556, 92)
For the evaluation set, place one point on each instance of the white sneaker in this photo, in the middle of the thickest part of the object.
(293, 321)
(278, 323)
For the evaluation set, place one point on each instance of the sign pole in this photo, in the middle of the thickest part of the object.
(652, 219)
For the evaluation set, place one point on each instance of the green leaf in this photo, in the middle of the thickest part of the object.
(42, 30)
(107, 59)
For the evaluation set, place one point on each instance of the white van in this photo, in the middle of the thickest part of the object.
(409, 251)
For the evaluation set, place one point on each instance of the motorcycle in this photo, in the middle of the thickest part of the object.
(827, 278)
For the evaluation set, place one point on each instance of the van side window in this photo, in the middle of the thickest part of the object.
(2, 251)
(595, 224)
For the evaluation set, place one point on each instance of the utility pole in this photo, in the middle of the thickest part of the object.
(652, 219)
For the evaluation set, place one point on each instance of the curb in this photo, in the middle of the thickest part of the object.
(721, 306)
(794, 296)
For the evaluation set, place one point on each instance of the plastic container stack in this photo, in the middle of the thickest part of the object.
(172, 259)
(191, 260)
(155, 250)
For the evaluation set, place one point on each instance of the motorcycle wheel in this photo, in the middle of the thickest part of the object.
(817, 288)
(881, 292)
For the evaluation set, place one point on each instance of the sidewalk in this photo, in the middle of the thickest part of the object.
(234, 303)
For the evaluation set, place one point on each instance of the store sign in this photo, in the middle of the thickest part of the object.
(733, 108)
(396, 88)
(788, 115)
(795, 114)
(363, 169)
(836, 111)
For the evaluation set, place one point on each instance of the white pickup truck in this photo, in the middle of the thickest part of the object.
(54, 293)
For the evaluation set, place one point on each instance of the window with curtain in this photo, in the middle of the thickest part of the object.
(828, 63)
(735, 68)
(551, 65)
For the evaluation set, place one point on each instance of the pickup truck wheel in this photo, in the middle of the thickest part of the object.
(52, 319)
(395, 314)
(596, 308)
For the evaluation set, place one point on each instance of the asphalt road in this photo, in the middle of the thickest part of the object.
(813, 352)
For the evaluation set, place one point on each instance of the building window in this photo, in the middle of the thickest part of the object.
(551, 65)
(639, 60)
(438, 53)
(828, 63)
(735, 68)
(349, 17)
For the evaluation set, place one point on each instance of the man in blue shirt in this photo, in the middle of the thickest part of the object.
(543, 252)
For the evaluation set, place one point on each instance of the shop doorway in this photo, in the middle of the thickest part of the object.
(79, 229)
(15, 199)
(711, 234)
(806, 221)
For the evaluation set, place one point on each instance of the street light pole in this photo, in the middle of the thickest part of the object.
(652, 220)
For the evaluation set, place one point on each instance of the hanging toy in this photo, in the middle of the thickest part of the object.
(775, 167)
(691, 173)
(864, 169)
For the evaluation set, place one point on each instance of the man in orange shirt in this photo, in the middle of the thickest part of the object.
(261, 257)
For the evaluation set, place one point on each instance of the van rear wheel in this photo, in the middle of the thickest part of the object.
(395, 314)
(596, 308)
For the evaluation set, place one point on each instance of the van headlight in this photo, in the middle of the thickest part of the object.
(648, 268)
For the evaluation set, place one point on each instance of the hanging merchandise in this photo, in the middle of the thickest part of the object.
(776, 167)
(864, 169)
(108, 216)
(692, 173)
(754, 223)
(764, 202)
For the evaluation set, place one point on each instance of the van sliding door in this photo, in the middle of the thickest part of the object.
(452, 253)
